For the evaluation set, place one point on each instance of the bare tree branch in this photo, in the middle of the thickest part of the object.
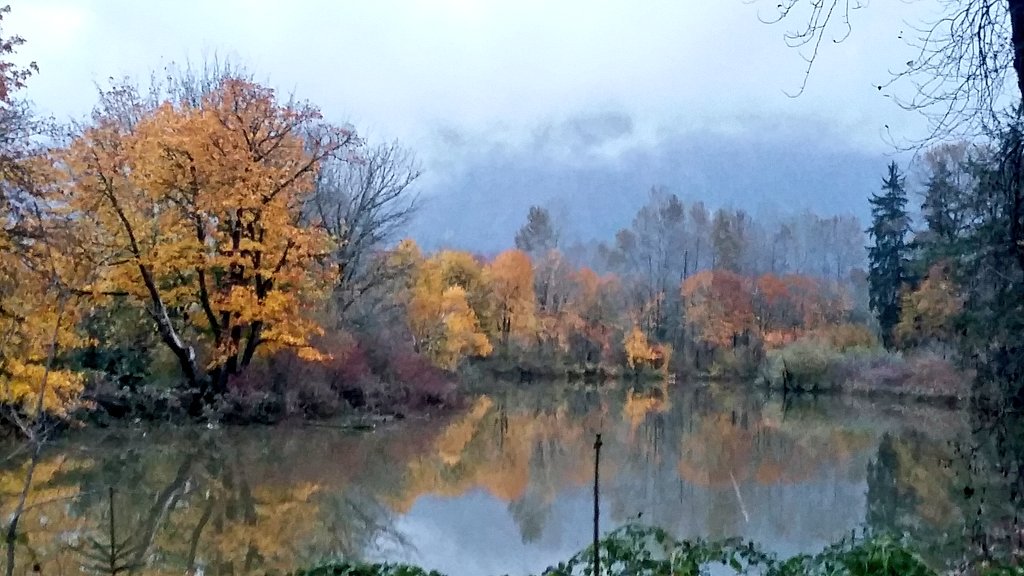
(960, 78)
(362, 204)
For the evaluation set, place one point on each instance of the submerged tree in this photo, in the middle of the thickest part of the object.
(887, 271)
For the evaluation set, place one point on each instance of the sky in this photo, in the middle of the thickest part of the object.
(581, 105)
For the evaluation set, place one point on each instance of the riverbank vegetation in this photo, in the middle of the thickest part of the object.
(202, 247)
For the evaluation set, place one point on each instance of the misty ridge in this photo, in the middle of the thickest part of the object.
(594, 171)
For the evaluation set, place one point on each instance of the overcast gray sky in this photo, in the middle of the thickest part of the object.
(454, 77)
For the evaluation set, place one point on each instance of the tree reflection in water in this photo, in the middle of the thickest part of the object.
(709, 461)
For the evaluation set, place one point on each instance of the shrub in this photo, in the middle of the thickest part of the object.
(816, 363)
(806, 364)
(424, 383)
(923, 374)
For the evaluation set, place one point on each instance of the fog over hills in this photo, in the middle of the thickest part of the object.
(593, 172)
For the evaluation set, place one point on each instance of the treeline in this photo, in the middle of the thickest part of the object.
(953, 278)
(201, 245)
(682, 290)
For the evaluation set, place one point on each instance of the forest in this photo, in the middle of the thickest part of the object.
(198, 242)
(205, 249)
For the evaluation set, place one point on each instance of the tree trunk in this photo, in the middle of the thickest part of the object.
(1016, 10)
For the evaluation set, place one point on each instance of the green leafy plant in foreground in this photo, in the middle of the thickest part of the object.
(358, 569)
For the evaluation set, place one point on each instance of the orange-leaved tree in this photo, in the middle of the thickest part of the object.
(510, 276)
(719, 305)
(193, 210)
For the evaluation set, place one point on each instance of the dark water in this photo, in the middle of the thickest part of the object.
(504, 486)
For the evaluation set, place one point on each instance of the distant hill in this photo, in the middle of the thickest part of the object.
(593, 173)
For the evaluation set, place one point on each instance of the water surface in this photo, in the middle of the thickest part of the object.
(503, 486)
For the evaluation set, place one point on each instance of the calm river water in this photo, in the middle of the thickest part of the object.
(503, 486)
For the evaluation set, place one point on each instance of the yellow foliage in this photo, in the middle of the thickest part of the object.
(928, 312)
(510, 276)
(638, 351)
(440, 314)
(199, 208)
(36, 319)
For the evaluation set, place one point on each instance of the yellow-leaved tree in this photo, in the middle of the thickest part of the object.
(639, 351)
(510, 276)
(929, 313)
(440, 307)
(38, 316)
(192, 208)
(38, 312)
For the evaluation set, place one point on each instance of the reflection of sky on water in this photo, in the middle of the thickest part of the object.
(476, 534)
(504, 487)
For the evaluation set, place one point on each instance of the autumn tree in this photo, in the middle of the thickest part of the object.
(930, 313)
(770, 297)
(38, 308)
(12, 76)
(440, 310)
(719, 306)
(195, 213)
(639, 352)
(510, 276)
(887, 272)
(591, 316)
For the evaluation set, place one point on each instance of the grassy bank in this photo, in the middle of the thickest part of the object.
(636, 550)
(815, 364)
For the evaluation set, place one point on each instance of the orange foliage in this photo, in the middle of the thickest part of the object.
(791, 305)
(719, 304)
(511, 279)
(198, 207)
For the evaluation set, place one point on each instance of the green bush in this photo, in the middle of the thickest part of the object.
(807, 364)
